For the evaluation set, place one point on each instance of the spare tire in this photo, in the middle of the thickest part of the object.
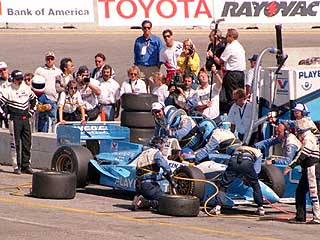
(179, 205)
(138, 102)
(186, 187)
(74, 159)
(137, 119)
(273, 178)
(141, 135)
(54, 185)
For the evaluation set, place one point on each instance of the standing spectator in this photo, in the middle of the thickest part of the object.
(134, 84)
(70, 104)
(66, 66)
(211, 52)
(110, 94)
(20, 102)
(250, 75)
(160, 89)
(146, 53)
(28, 78)
(89, 90)
(100, 61)
(46, 108)
(170, 53)
(189, 60)
(234, 61)
(50, 72)
(208, 107)
(4, 83)
(240, 114)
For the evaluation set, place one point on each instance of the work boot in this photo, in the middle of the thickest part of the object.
(216, 210)
(17, 171)
(297, 220)
(260, 211)
(139, 202)
(27, 170)
(313, 221)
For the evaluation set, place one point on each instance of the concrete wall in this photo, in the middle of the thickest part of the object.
(43, 148)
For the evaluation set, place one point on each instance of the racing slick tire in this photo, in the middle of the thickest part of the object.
(273, 178)
(186, 187)
(138, 102)
(137, 119)
(179, 205)
(141, 135)
(74, 159)
(54, 185)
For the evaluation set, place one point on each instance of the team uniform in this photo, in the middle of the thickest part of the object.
(110, 94)
(20, 102)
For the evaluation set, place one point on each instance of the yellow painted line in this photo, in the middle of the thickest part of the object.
(123, 217)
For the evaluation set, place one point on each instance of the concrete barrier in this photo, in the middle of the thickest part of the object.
(43, 148)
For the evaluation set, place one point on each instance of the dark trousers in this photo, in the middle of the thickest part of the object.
(231, 81)
(252, 138)
(22, 140)
(240, 168)
(152, 192)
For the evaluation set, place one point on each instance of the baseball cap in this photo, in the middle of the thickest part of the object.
(254, 57)
(17, 74)
(300, 107)
(50, 54)
(156, 106)
(3, 65)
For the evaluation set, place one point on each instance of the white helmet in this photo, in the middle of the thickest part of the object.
(38, 83)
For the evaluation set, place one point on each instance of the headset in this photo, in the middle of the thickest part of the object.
(304, 111)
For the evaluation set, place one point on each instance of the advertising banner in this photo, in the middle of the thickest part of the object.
(160, 12)
(46, 11)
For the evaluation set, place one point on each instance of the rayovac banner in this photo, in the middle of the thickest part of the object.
(260, 11)
(160, 12)
(201, 12)
(46, 11)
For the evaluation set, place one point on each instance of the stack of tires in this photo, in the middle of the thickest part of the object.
(136, 115)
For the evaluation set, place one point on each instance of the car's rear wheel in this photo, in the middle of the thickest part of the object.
(273, 178)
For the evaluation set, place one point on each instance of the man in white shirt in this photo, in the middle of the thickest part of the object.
(240, 115)
(110, 94)
(50, 72)
(170, 53)
(208, 107)
(134, 84)
(234, 61)
(250, 75)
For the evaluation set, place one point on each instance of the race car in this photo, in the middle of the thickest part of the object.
(102, 153)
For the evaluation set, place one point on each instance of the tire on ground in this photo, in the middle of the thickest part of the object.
(186, 187)
(74, 159)
(179, 205)
(137, 119)
(54, 185)
(141, 135)
(273, 177)
(138, 102)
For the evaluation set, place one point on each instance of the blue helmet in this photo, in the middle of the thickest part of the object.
(206, 127)
(169, 113)
(187, 154)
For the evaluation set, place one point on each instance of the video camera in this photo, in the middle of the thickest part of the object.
(177, 82)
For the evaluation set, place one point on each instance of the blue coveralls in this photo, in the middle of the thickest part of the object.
(43, 117)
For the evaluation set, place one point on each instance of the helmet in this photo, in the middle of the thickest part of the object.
(156, 142)
(302, 108)
(38, 83)
(169, 112)
(187, 154)
(206, 127)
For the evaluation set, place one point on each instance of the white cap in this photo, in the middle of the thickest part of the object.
(300, 107)
(157, 106)
(3, 65)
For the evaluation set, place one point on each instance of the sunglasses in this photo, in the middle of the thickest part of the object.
(156, 111)
(27, 79)
(166, 36)
(133, 74)
(146, 28)
(50, 58)
(73, 88)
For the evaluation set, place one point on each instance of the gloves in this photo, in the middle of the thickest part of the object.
(43, 107)
(170, 179)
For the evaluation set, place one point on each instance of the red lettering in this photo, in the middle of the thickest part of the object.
(205, 11)
(186, 7)
(106, 7)
(134, 9)
(146, 8)
(174, 9)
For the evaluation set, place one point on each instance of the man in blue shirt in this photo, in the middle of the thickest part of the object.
(146, 53)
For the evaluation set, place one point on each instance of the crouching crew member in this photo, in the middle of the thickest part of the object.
(244, 162)
(307, 158)
(148, 166)
(20, 102)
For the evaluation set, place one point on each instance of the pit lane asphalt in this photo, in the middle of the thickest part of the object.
(102, 213)
(99, 212)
